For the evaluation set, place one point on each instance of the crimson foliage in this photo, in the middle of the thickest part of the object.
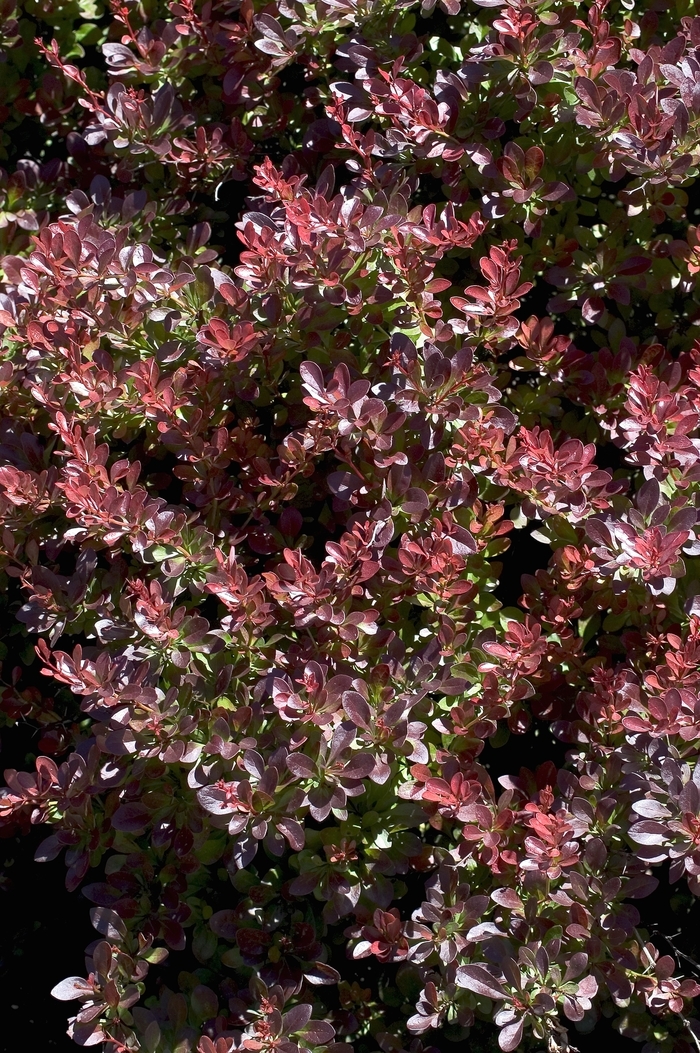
(309, 312)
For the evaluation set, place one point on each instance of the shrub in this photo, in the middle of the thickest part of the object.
(317, 320)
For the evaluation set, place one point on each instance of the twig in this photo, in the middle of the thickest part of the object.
(691, 1032)
(669, 941)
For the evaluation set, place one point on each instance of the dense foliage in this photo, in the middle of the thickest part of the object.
(317, 319)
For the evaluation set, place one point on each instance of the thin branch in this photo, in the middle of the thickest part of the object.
(669, 941)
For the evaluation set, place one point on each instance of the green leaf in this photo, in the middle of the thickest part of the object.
(211, 851)
(613, 622)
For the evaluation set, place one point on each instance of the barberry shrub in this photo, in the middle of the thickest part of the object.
(317, 320)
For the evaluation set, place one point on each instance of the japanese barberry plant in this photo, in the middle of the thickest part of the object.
(317, 319)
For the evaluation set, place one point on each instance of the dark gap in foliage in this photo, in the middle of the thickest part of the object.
(610, 457)
(30, 141)
(429, 190)
(569, 406)
(230, 200)
(671, 228)
(673, 914)
(524, 556)
(18, 749)
(535, 302)
(535, 747)
(64, 563)
(43, 933)
(343, 175)
(693, 206)
(293, 79)
(511, 131)
(608, 191)
(319, 534)
(157, 473)
(210, 608)
(643, 319)
(44, 927)
(438, 24)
